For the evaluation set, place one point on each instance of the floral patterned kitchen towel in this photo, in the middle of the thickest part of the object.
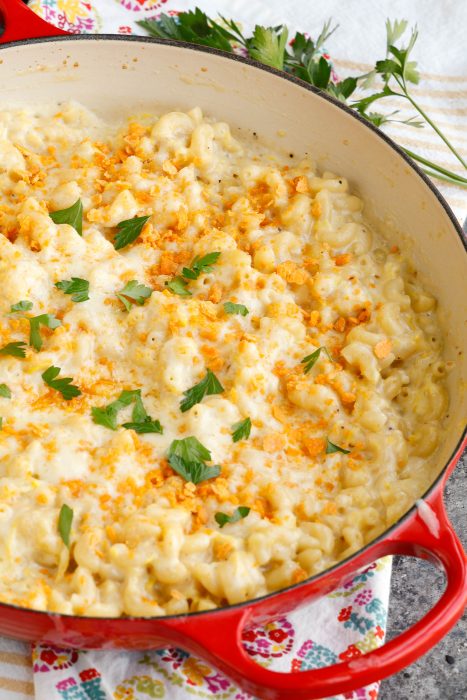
(346, 624)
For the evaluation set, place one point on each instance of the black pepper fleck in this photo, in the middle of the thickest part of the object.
(449, 659)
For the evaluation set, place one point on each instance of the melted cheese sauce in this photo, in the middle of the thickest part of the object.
(296, 251)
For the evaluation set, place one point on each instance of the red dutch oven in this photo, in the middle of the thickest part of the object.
(114, 74)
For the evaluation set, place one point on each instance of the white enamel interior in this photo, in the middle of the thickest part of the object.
(115, 77)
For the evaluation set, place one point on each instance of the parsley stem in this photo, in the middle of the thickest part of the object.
(445, 178)
(429, 121)
(439, 172)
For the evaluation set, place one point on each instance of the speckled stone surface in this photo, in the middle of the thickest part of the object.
(442, 673)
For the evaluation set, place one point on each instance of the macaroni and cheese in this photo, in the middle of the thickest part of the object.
(216, 380)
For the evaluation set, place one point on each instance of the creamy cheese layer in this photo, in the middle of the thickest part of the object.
(338, 445)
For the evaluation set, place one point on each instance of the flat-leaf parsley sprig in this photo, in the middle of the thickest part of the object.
(238, 514)
(129, 230)
(73, 216)
(208, 386)
(15, 349)
(179, 285)
(133, 293)
(303, 57)
(309, 361)
(35, 323)
(65, 520)
(241, 430)
(188, 458)
(140, 422)
(63, 384)
(77, 287)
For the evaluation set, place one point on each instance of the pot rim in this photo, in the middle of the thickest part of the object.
(187, 46)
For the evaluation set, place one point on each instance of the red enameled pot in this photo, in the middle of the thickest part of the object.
(114, 74)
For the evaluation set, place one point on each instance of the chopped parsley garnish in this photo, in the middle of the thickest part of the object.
(238, 514)
(190, 449)
(63, 385)
(310, 360)
(140, 421)
(22, 306)
(1, 423)
(47, 320)
(331, 448)
(15, 349)
(206, 387)
(178, 285)
(78, 287)
(231, 308)
(107, 416)
(241, 430)
(35, 322)
(129, 230)
(72, 216)
(148, 425)
(134, 293)
(188, 458)
(65, 520)
(199, 265)
(5, 391)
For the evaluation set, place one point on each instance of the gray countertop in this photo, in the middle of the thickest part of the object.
(416, 586)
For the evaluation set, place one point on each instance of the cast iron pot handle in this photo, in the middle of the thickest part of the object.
(428, 535)
(22, 23)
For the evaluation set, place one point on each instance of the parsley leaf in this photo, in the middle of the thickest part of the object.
(267, 45)
(65, 520)
(129, 230)
(241, 430)
(47, 320)
(193, 471)
(72, 216)
(187, 457)
(238, 514)
(190, 449)
(21, 306)
(63, 385)
(15, 349)
(231, 308)
(78, 287)
(140, 421)
(200, 265)
(133, 293)
(193, 26)
(5, 391)
(1, 423)
(107, 416)
(331, 448)
(178, 286)
(148, 425)
(310, 360)
(206, 387)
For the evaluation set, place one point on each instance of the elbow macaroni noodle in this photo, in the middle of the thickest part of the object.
(298, 253)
